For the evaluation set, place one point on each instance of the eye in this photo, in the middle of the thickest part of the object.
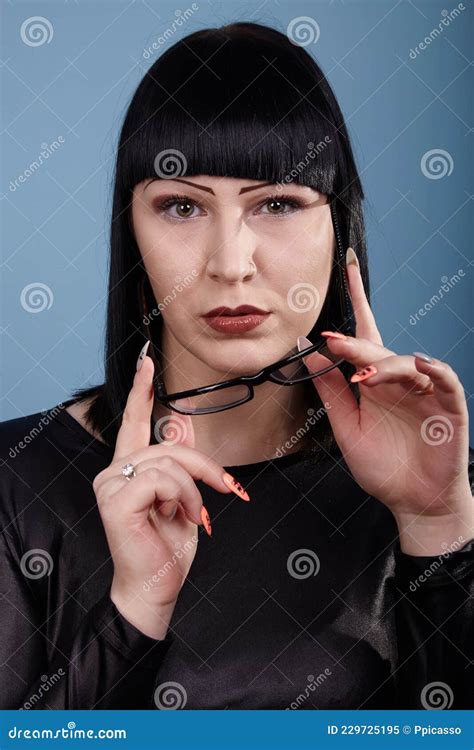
(181, 207)
(277, 204)
(184, 207)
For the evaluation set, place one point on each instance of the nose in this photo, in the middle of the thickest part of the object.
(231, 254)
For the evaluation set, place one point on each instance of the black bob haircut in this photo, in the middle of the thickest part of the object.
(237, 101)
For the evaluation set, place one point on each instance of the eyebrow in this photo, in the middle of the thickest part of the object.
(210, 190)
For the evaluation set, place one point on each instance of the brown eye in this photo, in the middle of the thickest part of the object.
(275, 206)
(177, 207)
(184, 208)
(280, 206)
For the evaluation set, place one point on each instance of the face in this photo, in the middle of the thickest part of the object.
(208, 242)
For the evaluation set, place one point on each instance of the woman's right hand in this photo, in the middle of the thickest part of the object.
(150, 520)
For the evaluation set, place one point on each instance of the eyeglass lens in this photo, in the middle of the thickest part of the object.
(296, 371)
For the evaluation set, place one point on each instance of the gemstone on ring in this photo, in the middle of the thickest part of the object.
(128, 471)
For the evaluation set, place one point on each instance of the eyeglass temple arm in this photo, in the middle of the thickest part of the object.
(345, 296)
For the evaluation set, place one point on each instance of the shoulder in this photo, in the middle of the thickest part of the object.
(25, 433)
(24, 441)
(47, 466)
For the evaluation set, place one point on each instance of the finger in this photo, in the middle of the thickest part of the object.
(188, 495)
(169, 496)
(447, 386)
(197, 464)
(396, 369)
(366, 327)
(178, 429)
(358, 351)
(150, 487)
(339, 401)
(135, 430)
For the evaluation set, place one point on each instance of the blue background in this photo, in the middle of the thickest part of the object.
(77, 86)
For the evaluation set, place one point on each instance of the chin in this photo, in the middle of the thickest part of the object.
(246, 357)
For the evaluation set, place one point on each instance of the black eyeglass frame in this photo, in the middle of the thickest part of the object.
(266, 373)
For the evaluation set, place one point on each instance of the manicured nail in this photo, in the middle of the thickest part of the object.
(235, 486)
(206, 520)
(364, 374)
(333, 335)
(423, 356)
(351, 257)
(142, 354)
(302, 343)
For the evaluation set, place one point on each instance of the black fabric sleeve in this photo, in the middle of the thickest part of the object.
(109, 663)
(434, 625)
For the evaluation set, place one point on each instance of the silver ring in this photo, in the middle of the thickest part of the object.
(129, 471)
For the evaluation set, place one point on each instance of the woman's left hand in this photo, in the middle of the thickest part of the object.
(408, 450)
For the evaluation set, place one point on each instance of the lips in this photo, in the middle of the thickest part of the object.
(236, 311)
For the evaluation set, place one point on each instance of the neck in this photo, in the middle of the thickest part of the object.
(274, 423)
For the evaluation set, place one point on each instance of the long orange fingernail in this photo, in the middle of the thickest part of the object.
(206, 520)
(235, 486)
(364, 374)
(333, 335)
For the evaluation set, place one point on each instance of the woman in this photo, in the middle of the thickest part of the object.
(337, 569)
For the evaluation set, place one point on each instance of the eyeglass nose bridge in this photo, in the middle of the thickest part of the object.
(267, 373)
(251, 380)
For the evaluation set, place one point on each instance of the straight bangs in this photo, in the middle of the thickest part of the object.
(265, 119)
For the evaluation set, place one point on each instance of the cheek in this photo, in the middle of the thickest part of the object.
(302, 281)
(306, 259)
(167, 259)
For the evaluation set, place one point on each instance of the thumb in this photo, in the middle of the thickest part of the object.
(176, 429)
(337, 398)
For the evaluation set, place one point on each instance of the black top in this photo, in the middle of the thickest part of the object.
(300, 599)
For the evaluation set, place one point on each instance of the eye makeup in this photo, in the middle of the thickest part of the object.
(162, 204)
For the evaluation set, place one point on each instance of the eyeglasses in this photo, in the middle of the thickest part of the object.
(288, 371)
